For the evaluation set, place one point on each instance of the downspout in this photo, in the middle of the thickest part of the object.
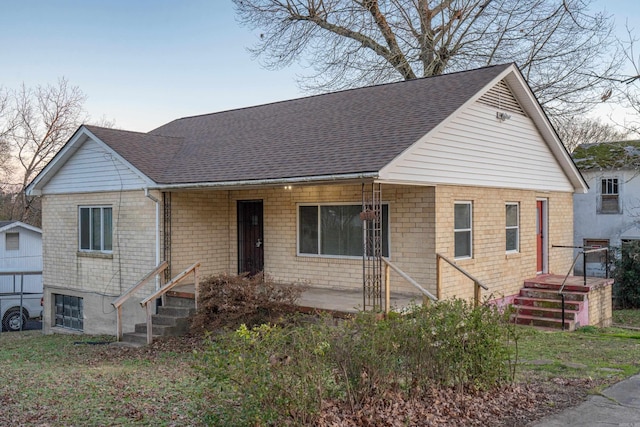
(157, 202)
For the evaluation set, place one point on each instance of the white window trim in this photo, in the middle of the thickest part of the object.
(470, 229)
(319, 255)
(512, 227)
(101, 207)
(8, 242)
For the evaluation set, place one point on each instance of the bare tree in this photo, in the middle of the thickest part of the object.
(628, 85)
(577, 130)
(563, 51)
(38, 121)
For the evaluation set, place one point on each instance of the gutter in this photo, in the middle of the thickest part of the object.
(266, 182)
(157, 202)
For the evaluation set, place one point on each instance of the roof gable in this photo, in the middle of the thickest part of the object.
(352, 133)
(10, 225)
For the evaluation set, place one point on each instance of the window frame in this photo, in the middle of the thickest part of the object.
(512, 227)
(463, 230)
(12, 244)
(60, 320)
(90, 249)
(609, 190)
(319, 205)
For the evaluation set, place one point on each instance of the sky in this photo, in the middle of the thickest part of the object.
(143, 63)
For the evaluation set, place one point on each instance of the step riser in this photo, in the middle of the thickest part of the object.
(176, 311)
(536, 293)
(547, 286)
(164, 330)
(529, 302)
(134, 339)
(545, 323)
(568, 315)
(179, 302)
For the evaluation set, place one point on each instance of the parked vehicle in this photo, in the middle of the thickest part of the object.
(16, 309)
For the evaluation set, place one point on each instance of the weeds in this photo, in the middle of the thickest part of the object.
(278, 375)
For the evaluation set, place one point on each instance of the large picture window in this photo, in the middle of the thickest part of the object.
(336, 230)
(512, 225)
(463, 230)
(95, 228)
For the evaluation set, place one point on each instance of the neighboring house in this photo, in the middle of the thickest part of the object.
(609, 214)
(465, 165)
(20, 252)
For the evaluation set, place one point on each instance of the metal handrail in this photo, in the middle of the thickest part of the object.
(405, 276)
(129, 292)
(163, 290)
(477, 283)
(584, 271)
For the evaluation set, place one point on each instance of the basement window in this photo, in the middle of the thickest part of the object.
(336, 230)
(69, 312)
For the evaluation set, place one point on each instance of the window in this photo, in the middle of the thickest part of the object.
(335, 230)
(12, 241)
(595, 261)
(512, 224)
(609, 196)
(462, 229)
(95, 228)
(69, 312)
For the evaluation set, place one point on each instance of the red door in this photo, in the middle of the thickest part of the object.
(540, 234)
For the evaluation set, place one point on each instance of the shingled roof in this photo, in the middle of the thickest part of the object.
(608, 155)
(348, 132)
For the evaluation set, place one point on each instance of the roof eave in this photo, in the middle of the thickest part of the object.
(270, 182)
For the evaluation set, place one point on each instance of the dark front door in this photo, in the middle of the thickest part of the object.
(250, 237)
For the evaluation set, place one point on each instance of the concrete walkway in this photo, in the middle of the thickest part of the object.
(618, 405)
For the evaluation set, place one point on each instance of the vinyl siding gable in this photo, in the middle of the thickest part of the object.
(93, 168)
(475, 148)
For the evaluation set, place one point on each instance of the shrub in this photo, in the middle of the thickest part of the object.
(229, 300)
(280, 375)
(626, 288)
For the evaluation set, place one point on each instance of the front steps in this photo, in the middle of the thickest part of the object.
(172, 320)
(539, 304)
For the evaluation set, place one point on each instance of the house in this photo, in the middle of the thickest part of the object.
(609, 214)
(464, 167)
(20, 258)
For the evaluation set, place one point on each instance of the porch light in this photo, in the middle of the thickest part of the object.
(287, 187)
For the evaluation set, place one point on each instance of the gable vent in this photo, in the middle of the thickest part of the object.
(501, 98)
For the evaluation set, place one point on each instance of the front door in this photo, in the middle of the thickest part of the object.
(540, 235)
(250, 237)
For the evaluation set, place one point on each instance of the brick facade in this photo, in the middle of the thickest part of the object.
(204, 229)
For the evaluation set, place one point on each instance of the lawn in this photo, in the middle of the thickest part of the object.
(81, 380)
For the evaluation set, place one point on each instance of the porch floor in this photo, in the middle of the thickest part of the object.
(573, 283)
(328, 299)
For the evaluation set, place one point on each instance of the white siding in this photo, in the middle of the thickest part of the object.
(475, 148)
(28, 257)
(93, 168)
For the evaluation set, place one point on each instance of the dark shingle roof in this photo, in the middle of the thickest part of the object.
(347, 132)
(5, 223)
(608, 155)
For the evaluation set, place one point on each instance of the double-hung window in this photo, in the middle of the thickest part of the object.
(12, 241)
(462, 229)
(336, 230)
(95, 228)
(609, 196)
(512, 225)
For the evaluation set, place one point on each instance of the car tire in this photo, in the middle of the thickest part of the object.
(12, 321)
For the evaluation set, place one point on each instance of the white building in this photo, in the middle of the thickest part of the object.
(20, 253)
(609, 214)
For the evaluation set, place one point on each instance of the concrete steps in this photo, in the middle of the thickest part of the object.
(539, 304)
(172, 320)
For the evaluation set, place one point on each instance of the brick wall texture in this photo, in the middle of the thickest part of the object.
(204, 229)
